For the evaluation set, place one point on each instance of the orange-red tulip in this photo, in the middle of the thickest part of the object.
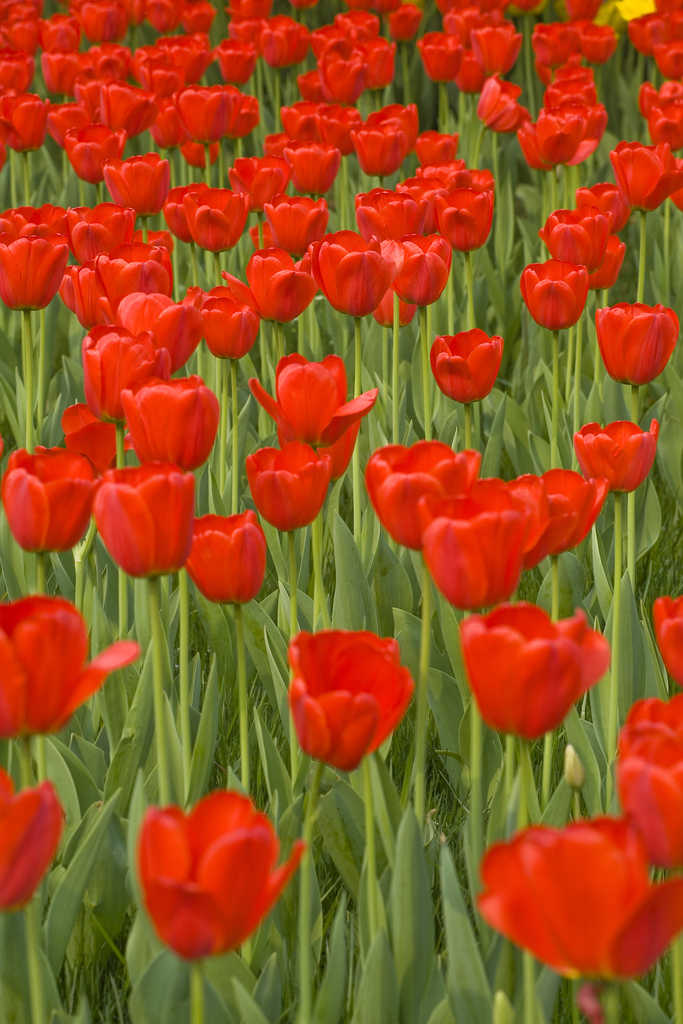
(227, 561)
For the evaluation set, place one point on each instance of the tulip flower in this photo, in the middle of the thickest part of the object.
(606, 276)
(102, 20)
(436, 147)
(555, 293)
(554, 43)
(260, 178)
(88, 148)
(141, 182)
(667, 616)
(86, 434)
(45, 642)
(422, 188)
(23, 121)
(384, 314)
(176, 326)
(114, 360)
(31, 269)
(352, 273)
(527, 672)
(81, 291)
(620, 453)
(172, 421)
(470, 78)
(404, 22)
(425, 269)
(167, 131)
(279, 289)
(597, 42)
(60, 32)
(216, 217)
(289, 485)
(577, 236)
(335, 124)
(236, 60)
(441, 55)
(588, 883)
(313, 166)
(381, 148)
(223, 879)
(27, 220)
(227, 561)
(347, 695)
(65, 117)
(385, 214)
(342, 81)
(498, 108)
(607, 198)
(31, 824)
(496, 47)
(134, 267)
(466, 365)
(207, 113)
(295, 222)
(636, 341)
(96, 230)
(16, 70)
(174, 211)
(645, 175)
(125, 108)
(284, 41)
(573, 504)
(464, 216)
(361, 24)
(665, 123)
(230, 326)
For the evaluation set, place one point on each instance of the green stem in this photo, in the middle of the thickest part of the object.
(242, 697)
(548, 744)
(529, 988)
(196, 993)
(35, 977)
(218, 280)
(40, 572)
(548, 739)
(476, 801)
(24, 752)
(667, 251)
(569, 367)
(443, 108)
(423, 683)
(556, 400)
(41, 378)
(616, 615)
(280, 341)
(677, 974)
(468, 424)
(28, 376)
(207, 164)
(450, 300)
(316, 540)
(509, 764)
(470, 291)
(385, 367)
(305, 987)
(300, 334)
(524, 782)
(276, 102)
(577, 374)
(158, 690)
(611, 1002)
(184, 677)
(641, 257)
(371, 869)
(494, 162)
(553, 190)
(477, 147)
(235, 438)
(80, 554)
(225, 400)
(195, 271)
(344, 190)
(123, 582)
(293, 630)
(406, 73)
(27, 179)
(528, 67)
(394, 373)
(631, 506)
(356, 448)
(555, 587)
(426, 373)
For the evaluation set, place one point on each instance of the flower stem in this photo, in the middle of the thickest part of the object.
(443, 108)
(316, 540)
(28, 375)
(528, 67)
(570, 360)
(548, 739)
(677, 974)
(280, 340)
(470, 291)
(371, 869)
(614, 691)
(158, 691)
(356, 447)
(468, 424)
(35, 978)
(207, 164)
(394, 373)
(41, 378)
(123, 582)
(242, 698)
(450, 300)
(27, 179)
(235, 439)
(406, 73)
(183, 677)
(293, 630)
(423, 683)
(529, 988)
(477, 146)
(218, 280)
(81, 552)
(385, 366)
(426, 373)
(631, 506)
(40, 572)
(476, 803)
(556, 400)
(196, 993)
(667, 250)
(305, 989)
(509, 764)
(225, 399)
(195, 273)
(641, 257)
(577, 374)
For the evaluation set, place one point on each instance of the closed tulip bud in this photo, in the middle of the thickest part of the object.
(435, 148)
(114, 361)
(88, 148)
(174, 211)
(224, 880)
(397, 477)
(352, 273)
(574, 772)
(347, 695)
(81, 291)
(207, 113)
(284, 41)
(335, 124)
(230, 326)
(295, 222)
(260, 178)
(236, 60)
(426, 266)
(167, 131)
(441, 55)
(134, 267)
(384, 214)
(145, 516)
(45, 641)
(464, 217)
(96, 230)
(31, 825)
(646, 175)
(86, 434)
(360, 24)
(555, 293)
(342, 81)
(404, 22)
(198, 16)
(380, 149)
(289, 486)
(48, 498)
(193, 53)
(667, 616)
(141, 182)
(176, 326)
(496, 47)
(427, 189)
(597, 42)
(60, 71)
(577, 236)
(172, 421)
(621, 453)
(608, 273)
(380, 57)
(31, 269)
(313, 166)
(63, 118)
(103, 21)
(60, 32)
(161, 76)
(23, 120)
(636, 341)
(216, 218)
(554, 43)
(607, 198)
(466, 365)
(498, 107)
(227, 561)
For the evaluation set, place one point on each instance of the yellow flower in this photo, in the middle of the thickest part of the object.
(630, 9)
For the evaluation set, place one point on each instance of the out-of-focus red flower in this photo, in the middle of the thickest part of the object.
(667, 617)
(288, 486)
(607, 198)
(397, 477)
(198, 16)
(124, 107)
(164, 15)
(60, 32)
(114, 360)
(110, 60)
(636, 341)
(210, 877)
(284, 41)
(23, 120)
(21, 32)
(31, 269)
(134, 267)
(227, 561)
(359, 24)
(384, 314)
(63, 117)
(465, 366)
(313, 166)
(300, 121)
(140, 182)
(45, 643)
(102, 21)
(597, 42)
(176, 326)
(342, 80)
(577, 89)
(16, 70)
(348, 693)
(295, 222)
(172, 421)
(498, 107)
(27, 220)
(47, 498)
(470, 78)
(554, 42)
(573, 506)
(81, 291)
(88, 148)
(193, 53)
(309, 86)
(161, 76)
(230, 326)
(608, 272)
(525, 671)
(385, 214)
(441, 55)
(194, 153)
(174, 211)
(240, 9)
(404, 22)
(555, 293)
(645, 32)
(496, 47)
(577, 236)
(208, 113)
(167, 131)
(248, 118)
(279, 289)
(96, 230)
(216, 217)
(332, 37)
(435, 148)
(352, 273)
(86, 434)
(60, 71)
(260, 178)
(236, 60)
(669, 58)
(31, 826)
(645, 175)
(665, 123)
(380, 57)
(335, 124)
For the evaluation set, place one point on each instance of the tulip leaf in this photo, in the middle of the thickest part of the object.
(67, 898)
(377, 1001)
(217, 631)
(342, 825)
(276, 775)
(576, 735)
(557, 812)
(632, 659)
(222, 971)
(417, 390)
(11, 560)
(370, 534)
(267, 992)
(205, 743)
(162, 995)
(248, 1008)
(540, 453)
(15, 997)
(669, 453)
(86, 788)
(412, 919)
(442, 1014)
(390, 587)
(329, 1001)
(572, 577)
(353, 606)
(133, 747)
(258, 624)
(278, 674)
(490, 465)
(603, 587)
(450, 630)
(645, 1009)
(466, 981)
(648, 518)
(656, 680)
(59, 774)
(387, 806)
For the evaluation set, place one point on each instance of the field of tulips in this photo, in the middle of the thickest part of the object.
(341, 520)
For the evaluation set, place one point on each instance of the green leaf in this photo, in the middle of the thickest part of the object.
(466, 982)
(217, 630)
(329, 1002)
(342, 825)
(412, 919)
(59, 774)
(268, 990)
(390, 588)
(557, 812)
(135, 741)
(249, 1009)
(257, 624)
(15, 998)
(205, 743)
(572, 583)
(592, 788)
(353, 606)
(378, 998)
(442, 1014)
(162, 994)
(644, 1008)
(276, 775)
(603, 586)
(66, 899)
(491, 462)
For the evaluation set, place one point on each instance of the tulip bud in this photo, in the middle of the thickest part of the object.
(574, 771)
(503, 1012)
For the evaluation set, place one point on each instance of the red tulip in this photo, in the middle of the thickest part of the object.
(88, 148)
(167, 131)
(198, 16)
(227, 561)
(579, 88)
(31, 269)
(527, 672)
(60, 32)
(194, 154)
(81, 291)
(145, 516)
(555, 293)
(580, 899)
(164, 15)
(597, 42)
(172, 421)
(176, 326)
(426, 189)
(359, 24)
(27, 220)
(380, 59)
(554, 42)
(645, 175)
(16, 70)
(47, 498)
(650, 776)
(248, 118)
(141, 182)
(621, 452)
(425, 269)
(380, 149)
(62, 118)
(669, 58)
(300, 121)
(161, 76)
(460, 20)
(636, 341)
(193, 53)
(385, 214)
(30, 828)
(125, 108)
(102, 20)
(313, 166)
(498, 107)
(496, 47)
(208, 113)
(464, 216)
(470, 78)
(279, 289)
(23, 120)
(397, 477)
(209, 877)
(352, 274)
(347, 695)
(260, 178)
(295, 222)
(335, 124)
(236, 60)
(667, 615)
(384, 314)
(284, 41)
(85, 434)
(606, 276)
(216, 217)
(466, 365)
(342, 80)
(92, 231)
(578, 236)
(45, 644)
(309, 88)
(109, 60)
(113, 361)
(607, 198)
(230, 326)
(574, 504)
(174, 211)
(435, 148)
(289, 486)
(134, 267)
(441, 55)
(404, 22)
(645, 32)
